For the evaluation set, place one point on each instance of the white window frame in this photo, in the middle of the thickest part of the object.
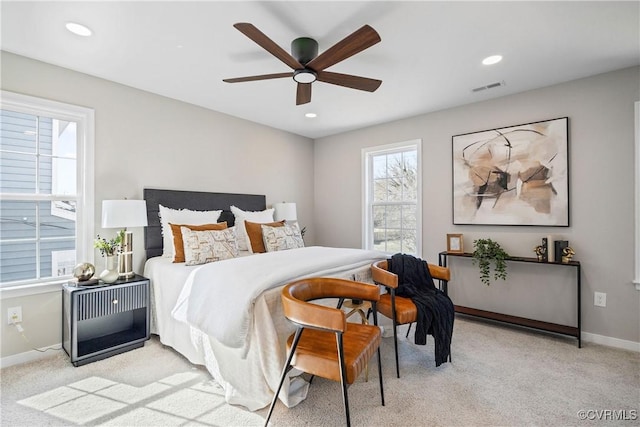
(367, 189)
(636, 280)
(85, 119)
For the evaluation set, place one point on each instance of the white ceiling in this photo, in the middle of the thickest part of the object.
(429, 58)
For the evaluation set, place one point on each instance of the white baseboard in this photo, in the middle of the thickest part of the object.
(30, 356)
(611, 342)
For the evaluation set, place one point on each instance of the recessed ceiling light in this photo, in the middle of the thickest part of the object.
(311, 115)
(493, 59)
(78, 29)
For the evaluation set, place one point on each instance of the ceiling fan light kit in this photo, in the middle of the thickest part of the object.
(308, 66)
(304, 76)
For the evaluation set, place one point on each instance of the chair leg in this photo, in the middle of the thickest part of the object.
(395, 344)
(408, 330)
(374, 310)
(343, 378)
(395, 328)
(380, 376)
(287, 368)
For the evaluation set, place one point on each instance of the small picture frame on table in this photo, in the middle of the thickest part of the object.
(455, 244)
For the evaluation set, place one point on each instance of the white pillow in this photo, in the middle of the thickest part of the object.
(252, 216)
(201, 247)
(181, 216)
(282, 238)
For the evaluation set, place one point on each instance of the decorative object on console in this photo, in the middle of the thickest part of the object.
(485, 252)
(545, 249)
(559, 246)
(455, 244)
(516, 175)
(123, 214)
(551, 252)
(84, 271)
(540, 251)
(567, 254)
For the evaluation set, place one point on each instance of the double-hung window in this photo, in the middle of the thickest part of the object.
(46, 189)
(392, 198)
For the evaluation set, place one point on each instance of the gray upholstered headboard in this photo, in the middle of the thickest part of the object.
(194, 200)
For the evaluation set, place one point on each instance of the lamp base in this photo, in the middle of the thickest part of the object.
(125, 257)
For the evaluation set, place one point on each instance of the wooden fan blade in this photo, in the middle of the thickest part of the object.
(347, 80)
(267, 44)
(261, 77)
(354, 43)
(303, 95)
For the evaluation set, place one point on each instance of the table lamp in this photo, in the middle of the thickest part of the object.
(285, 210)
(123, 214)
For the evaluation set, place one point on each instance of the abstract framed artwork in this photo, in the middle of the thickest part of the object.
(516, 175)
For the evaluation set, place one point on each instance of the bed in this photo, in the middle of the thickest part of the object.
(227, 315)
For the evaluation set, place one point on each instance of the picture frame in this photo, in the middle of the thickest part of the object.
(516, 175)
(455, 244)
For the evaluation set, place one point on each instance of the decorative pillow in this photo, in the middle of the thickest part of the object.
(181, 216)
(253, 216)
(254, 232)
(201, 247)
(178, 244)
(281, 238)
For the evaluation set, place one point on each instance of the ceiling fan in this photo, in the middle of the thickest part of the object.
(308, 66)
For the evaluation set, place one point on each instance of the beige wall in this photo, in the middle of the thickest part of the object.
(600, 111)
(145, 140)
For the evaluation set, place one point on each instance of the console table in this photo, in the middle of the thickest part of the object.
(522, 321)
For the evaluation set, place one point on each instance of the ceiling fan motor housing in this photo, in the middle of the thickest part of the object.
(304, 49)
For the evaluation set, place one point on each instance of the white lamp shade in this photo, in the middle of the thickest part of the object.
(285, 211)
(124, 213)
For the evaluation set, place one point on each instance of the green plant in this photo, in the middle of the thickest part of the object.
(486, 251)
(108, 247)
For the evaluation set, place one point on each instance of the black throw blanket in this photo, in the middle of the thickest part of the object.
(435, 309)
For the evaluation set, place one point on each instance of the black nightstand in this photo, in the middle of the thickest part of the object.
(104, 319)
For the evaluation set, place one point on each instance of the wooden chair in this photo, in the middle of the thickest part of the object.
(400, 310)
(324, 343)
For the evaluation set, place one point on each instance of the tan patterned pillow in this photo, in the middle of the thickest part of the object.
(254, 231)
(254, 216)
(201, 247)
(282, 238)
(178, 244)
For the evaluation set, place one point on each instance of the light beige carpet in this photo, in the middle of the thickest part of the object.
(500, 375)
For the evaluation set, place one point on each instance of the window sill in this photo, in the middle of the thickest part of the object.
(31, 289)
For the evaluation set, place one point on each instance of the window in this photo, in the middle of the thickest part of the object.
(46, 189)
(392, 198)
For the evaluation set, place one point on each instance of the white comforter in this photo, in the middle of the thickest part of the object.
(218, 298)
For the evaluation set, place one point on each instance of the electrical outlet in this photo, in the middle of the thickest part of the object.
(14, 315)
(600, 299)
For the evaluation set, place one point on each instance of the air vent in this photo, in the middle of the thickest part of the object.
(489, 86)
